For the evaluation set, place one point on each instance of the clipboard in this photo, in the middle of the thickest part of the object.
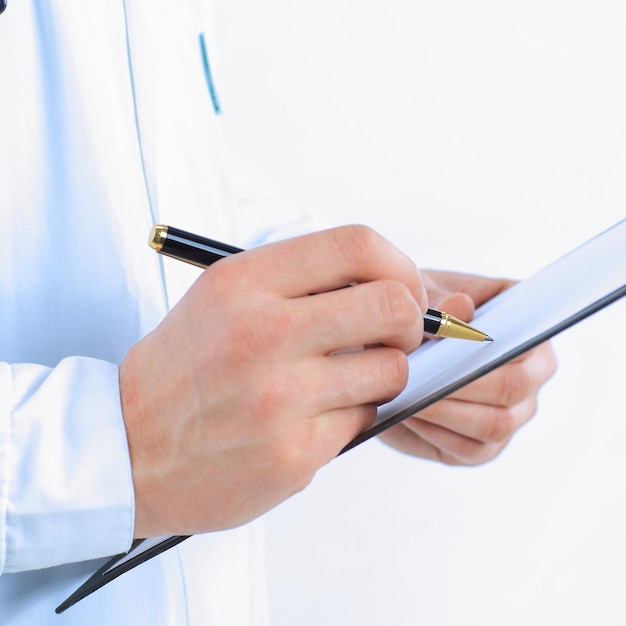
(572, 288)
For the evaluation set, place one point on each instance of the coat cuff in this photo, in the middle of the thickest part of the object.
(66, 491)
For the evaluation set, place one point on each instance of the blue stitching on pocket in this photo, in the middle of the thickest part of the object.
(208, 75)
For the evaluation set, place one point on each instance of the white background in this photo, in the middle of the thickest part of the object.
(488, 136)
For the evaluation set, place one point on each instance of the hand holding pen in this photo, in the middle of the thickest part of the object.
(249, 385)
(202, 251)
(474, 424)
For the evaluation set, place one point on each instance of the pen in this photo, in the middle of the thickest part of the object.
(202, 251)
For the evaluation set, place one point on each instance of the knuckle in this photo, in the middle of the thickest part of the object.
(515, 383)
(520, 380)
(359, 243)
(474, 453)
(271, 399)
(220, 278)
(500, 426)
(464, 452)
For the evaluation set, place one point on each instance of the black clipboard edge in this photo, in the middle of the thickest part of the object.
(108, 572)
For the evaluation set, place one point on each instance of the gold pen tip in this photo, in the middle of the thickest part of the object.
(488, 338)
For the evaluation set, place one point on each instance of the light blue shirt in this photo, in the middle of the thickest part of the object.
(108, 123)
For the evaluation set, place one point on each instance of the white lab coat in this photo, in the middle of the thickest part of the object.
(108, 123)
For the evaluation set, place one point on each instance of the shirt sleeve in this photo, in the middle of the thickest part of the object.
(66, 491)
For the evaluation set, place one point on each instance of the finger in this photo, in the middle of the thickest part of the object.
(381, 312)
(514, 381)
(408, 442)
(480, 422)
(372, 376)
(451, 448)
(339, 381)
(327, 260)
(329, 383)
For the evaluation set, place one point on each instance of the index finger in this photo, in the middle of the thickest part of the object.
(328, 260)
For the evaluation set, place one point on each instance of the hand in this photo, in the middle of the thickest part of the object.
(472, 425)
(250, 384)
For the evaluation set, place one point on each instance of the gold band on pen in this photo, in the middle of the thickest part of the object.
(158, 236)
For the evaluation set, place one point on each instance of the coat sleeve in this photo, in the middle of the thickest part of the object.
(66, 491)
